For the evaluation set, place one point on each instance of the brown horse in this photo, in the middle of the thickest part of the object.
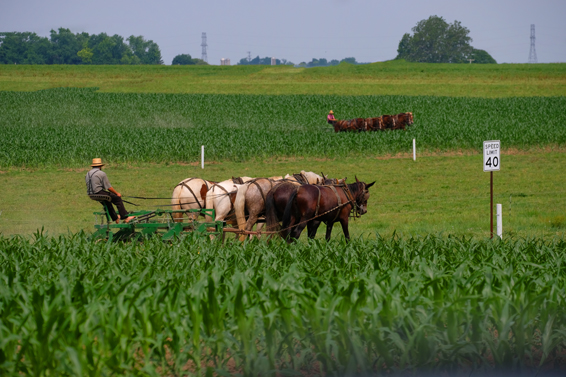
(357, 124)
(375, 124)
(310, 205)
(402, 120)
(277, 198)
(389, 121)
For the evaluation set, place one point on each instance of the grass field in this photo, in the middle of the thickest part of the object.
(387, 78)
(435, 194)
(446, 306)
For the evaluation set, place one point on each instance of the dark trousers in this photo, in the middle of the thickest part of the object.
(117, 201)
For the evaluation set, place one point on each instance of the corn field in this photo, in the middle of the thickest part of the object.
(67, 127)
(69, 306)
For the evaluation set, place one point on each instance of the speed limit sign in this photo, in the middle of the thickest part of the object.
(491, 159)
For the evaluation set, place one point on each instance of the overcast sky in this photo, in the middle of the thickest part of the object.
(299, 30)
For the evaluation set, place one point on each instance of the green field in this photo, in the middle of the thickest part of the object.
(387, 78)
(436, 305)
(436, 194)
(420, 288)
(64, 127)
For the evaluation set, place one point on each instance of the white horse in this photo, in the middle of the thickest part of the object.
(221, 197)
(251, 200)
(190, 193)
(305, 177)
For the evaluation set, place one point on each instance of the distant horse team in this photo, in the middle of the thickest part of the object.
(382, 123)
(286, 204)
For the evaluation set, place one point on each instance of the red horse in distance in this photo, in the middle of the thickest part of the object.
(382, 123)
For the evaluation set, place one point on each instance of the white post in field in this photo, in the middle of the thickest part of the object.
(499, 221)
(202, 157)
(414, 150)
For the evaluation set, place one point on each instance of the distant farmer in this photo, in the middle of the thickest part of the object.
(97, 184)
(330, 119)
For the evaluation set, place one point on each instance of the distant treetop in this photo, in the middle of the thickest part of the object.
(436, 41)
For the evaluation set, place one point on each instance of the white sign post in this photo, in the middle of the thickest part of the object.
(491, 163)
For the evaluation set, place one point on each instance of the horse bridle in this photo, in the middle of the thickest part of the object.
(355, 206)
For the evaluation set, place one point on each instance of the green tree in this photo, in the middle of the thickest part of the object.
(147, 51)
(258, 61)
(86, 54)
(23, 48)
(481, 57)
(183, 59)
(66, 45)
(436, 41)
(349, 60)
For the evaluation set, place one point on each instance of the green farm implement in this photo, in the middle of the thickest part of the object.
(159, 222)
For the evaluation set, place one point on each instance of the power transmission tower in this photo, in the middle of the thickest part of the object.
(204, 57)
(249, 56)
(533, 52)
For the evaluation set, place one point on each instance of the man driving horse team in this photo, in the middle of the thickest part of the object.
(97, 183)
(330, 118)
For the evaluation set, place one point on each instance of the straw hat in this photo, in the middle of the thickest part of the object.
(97, 162)
(331, 112)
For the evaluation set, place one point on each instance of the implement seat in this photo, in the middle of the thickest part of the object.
(105, 200)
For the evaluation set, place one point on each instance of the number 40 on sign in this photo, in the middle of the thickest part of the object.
(491, 159)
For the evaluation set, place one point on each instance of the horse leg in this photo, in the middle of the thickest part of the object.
(296, 231)
(258, 228)
(329, 230)
(252, 219)
(344, 224)
(312, 228)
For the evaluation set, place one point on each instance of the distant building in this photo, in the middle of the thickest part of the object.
(224, 61)
(273, 61)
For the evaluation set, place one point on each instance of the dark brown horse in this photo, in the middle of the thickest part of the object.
(375, 124)
(277, 198)
(357, 124)
(389, 121)
(403, 120)
(310, 205)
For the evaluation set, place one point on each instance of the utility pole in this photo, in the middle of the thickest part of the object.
(204, 56)
(533, 52)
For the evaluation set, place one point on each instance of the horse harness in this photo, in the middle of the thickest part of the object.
(184, 183)
(301, 178)
(227, 194)
(346, 192)
(254, 182)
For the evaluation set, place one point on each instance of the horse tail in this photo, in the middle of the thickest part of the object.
(176, 203)
(240, 208)
(210, 203)
(287, 215)
(271, 220)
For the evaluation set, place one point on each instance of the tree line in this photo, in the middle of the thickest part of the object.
(322, 62)
(433, 41)
(64, 47)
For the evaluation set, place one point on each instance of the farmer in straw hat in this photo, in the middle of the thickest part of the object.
(330, 118)
(97, 184)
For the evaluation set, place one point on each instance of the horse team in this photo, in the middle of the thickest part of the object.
(286, 204)
(382, 123)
